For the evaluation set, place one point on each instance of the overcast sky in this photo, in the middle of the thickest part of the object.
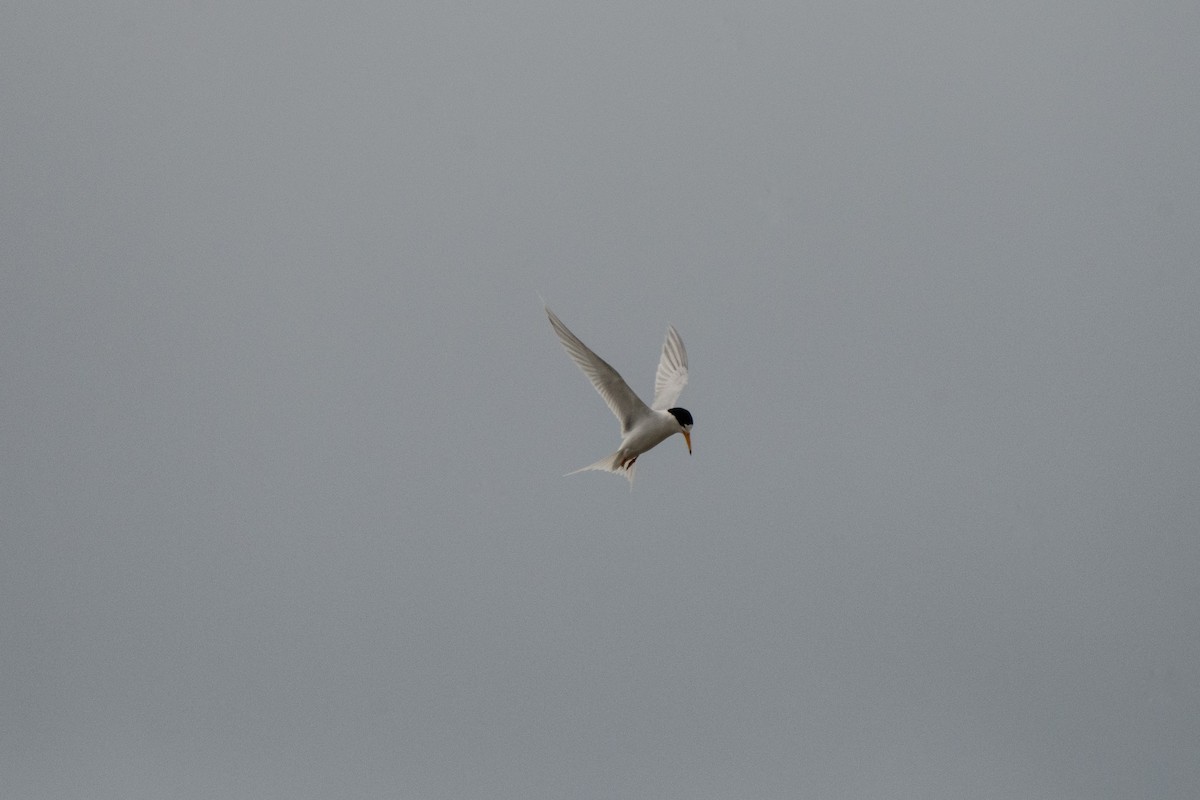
(284, 427)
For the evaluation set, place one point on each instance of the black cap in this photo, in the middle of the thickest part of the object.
(682, 415)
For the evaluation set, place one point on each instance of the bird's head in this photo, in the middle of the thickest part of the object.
(684, 418)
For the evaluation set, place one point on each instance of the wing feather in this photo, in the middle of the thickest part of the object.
(672, 373)
(622, 401)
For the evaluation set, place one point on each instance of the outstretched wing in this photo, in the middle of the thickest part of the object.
(672, 371)
(625, 405)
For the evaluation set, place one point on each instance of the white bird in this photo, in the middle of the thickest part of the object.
(642, 426)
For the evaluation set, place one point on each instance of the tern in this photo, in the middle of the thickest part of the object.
(642, 426)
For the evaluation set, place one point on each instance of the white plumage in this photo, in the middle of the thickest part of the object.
(642, 426)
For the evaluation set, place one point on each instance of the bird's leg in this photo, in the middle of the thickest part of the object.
(629, 463)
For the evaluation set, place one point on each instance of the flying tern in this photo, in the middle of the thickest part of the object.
(642, 426)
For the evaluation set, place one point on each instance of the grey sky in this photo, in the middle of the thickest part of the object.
(282, 511)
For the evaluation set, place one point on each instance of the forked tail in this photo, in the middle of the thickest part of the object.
(611, 464)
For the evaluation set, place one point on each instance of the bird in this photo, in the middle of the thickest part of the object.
(642, 426)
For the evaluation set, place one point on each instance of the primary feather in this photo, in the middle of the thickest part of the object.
(625, 405)
(672, 373)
